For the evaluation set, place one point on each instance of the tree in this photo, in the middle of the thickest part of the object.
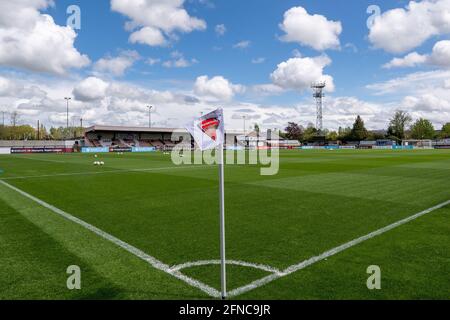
(14, 118)
(374, 135)
(344, 133)
(24, 132)
(445, 132)
(359, 131)
(332, 136)
(294, 131)
(398, 123)
(310, 132)
(257, 129)
(422, 129)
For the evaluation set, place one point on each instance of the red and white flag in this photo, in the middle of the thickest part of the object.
(208, 130)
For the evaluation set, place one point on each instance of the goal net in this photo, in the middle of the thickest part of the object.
(418, 144)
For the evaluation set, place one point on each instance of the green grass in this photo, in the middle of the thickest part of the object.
(317, 201)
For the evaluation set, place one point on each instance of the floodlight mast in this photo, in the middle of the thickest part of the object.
(150, 116)
(318, 96)
(67, 110)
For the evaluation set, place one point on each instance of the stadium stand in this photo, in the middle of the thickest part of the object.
(367, 144)
(442, 144)
(128, 137)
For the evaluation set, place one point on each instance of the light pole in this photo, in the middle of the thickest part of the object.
(67, 100)
(150, 116)
(245, 133)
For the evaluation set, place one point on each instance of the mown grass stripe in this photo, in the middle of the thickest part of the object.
(131, 249)
(332, 252)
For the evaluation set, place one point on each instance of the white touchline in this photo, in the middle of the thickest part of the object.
(332, 252)
(133, 250)
(175, 270)
(101, 172)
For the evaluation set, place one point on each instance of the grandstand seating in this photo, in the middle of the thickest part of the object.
(157, 143)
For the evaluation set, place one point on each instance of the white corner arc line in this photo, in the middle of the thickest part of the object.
(332, 252)
(229, 262)
(131, 249)
(174, 271)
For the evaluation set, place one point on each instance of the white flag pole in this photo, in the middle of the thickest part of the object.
(223, 274)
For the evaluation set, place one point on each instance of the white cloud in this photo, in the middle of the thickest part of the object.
(153, 61)
(178, 61)
(220, 29)
(352, 47)
(117, 65)
(148, 35)
(14, 89)
(152, 21)
(32, 41)
(423, 94)
(242, 44)
(296, 53)
(315, 31)
(90, 89)
(411, 60)
(426, 103)
(123, 103)
(351, 106)
(440, 56)
(267, 89)
(447, 84)
(400, 30)
(217, 88)
(258, 60)
(299, 73)
(410, 83)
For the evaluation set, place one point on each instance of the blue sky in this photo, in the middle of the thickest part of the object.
(344, 49)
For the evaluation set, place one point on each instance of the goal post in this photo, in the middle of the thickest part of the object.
(418, 144)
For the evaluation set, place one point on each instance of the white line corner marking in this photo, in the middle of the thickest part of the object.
(176, 270)
(133, 250)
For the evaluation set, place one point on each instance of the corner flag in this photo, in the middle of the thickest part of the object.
(208, 132)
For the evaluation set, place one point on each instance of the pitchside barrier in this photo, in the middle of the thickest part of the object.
(143, 149)
(41, 150)
(325, 147)
(402, 147)
(94, 150)
(373, 147)
(125, 149)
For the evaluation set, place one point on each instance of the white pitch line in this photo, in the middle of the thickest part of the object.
(100, 172)
(131, 249)
(46, 160)
(229, 262)
(332, 252)
(174, 270)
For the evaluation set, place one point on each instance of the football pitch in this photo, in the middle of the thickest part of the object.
(140, 227)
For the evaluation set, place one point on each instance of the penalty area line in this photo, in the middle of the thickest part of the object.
(131, 249)
(296, 267)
